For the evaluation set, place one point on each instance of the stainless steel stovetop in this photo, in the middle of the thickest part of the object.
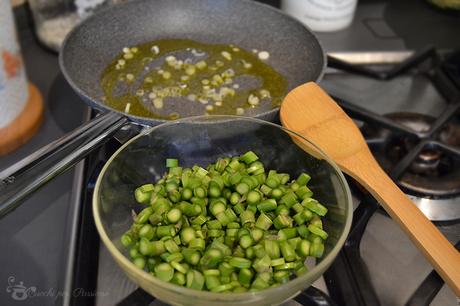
(395, 266)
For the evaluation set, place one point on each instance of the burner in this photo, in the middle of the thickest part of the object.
(433, 175)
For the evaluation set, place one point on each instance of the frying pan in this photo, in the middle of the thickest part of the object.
(294, 52)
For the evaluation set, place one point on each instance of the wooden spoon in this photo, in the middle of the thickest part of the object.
(309, 111)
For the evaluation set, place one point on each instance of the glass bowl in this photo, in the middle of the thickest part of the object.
(201, 140)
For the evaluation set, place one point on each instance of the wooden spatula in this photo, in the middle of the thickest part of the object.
(309, 111)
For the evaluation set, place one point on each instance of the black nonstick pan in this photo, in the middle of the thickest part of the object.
(294, 52)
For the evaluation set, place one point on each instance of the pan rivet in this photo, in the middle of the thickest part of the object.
(263, 55)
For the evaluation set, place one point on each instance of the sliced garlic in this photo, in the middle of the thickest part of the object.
(216, 97)
(158, 103)
(127, 107)
(225, 91)
(128, 55)
(217, 78)
(226, 55)
(264, 93)
(201, 65)
(190, 70)
(155, 50)
(170, 58)
(246, 64)
(166, 75)
(228, 73)
(178, 65)
(198, 53)
(263, 55)
(253, 100)
(130, 76)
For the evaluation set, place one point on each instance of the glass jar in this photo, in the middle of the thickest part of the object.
(55, 18)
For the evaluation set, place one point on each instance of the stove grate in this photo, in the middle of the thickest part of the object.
(347, 279)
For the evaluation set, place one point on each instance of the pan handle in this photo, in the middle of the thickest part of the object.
(23, 178)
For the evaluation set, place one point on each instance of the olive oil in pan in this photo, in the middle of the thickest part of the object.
(173, 78)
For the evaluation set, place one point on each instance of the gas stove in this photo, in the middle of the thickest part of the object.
(432, 179)
(407, 105)
(408, 113)
(418, 145)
